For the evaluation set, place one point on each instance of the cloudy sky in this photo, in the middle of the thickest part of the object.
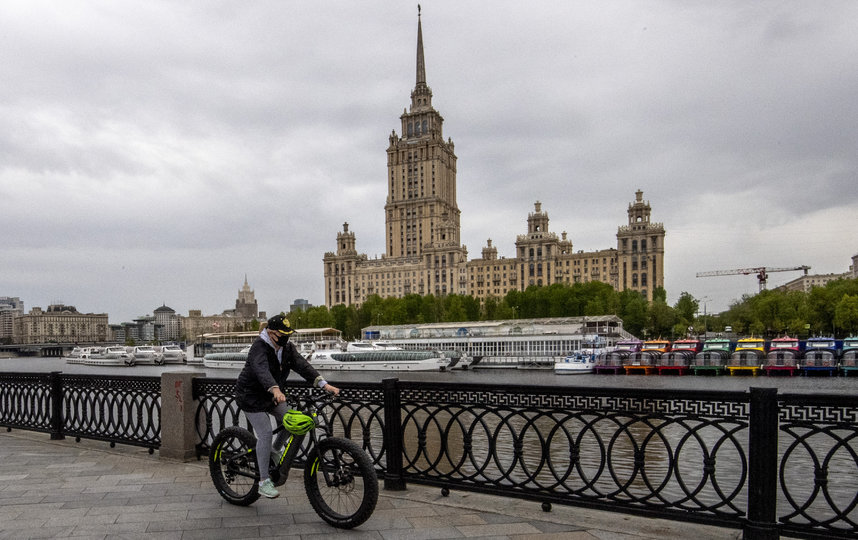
(157, 152)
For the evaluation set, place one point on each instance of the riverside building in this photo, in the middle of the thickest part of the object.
(423, 254)
(60, 324)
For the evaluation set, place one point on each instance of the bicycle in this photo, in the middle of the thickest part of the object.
(344, 494)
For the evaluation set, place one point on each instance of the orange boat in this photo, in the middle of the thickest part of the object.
(647, 358)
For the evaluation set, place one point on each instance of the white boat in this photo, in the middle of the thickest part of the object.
(576, 364)
(358, 346)
(110, 356)
(173, 354)
(386, 346)
(380, 360)
(79, 355)
(512, 343)
(583, 361)
(146, 354)
(228, 360)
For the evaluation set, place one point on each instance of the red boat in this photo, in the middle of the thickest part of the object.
(678, 359)
(783, 356)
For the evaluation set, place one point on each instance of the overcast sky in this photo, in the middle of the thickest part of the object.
(157, 152)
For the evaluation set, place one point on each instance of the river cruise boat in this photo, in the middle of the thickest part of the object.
(79, 354)
(782, 358)
(110, 356)
(173, 354)
(713, 357)
(646, 359)
(678, 359)
(380, 360)
(613, 361)
(748, 356)
(849, 356)
(515, 343)
(306, 339)
(227, 360)
(145, 354)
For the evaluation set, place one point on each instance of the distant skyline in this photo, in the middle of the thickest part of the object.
(157, 153)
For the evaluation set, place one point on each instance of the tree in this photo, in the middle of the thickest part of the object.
(633, 311)
(660, 318)
(846, 314)
(686, 308)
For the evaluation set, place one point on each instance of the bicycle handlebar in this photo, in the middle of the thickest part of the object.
(312, 399)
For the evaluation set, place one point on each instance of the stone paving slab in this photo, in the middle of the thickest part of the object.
(53, 489)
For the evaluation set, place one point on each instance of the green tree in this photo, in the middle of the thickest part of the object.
(633, 311)
(660, 318)
(686, 308)
(319, 317)
(846, 314)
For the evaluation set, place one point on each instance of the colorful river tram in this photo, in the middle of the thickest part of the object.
(783, 356)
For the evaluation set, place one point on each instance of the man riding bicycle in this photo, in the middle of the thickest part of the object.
(259, 388)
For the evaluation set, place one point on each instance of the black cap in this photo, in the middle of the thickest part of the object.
(280, 324)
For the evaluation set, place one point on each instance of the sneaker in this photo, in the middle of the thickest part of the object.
(267, 489)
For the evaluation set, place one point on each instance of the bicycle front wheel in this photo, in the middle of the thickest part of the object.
(341, 483)
(232, 464)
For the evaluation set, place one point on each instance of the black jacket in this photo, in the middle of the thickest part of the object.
(262, 371)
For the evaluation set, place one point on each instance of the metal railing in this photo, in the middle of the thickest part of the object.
(766, 462)
(116, 409)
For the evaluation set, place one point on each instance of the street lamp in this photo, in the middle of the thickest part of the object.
(705, 322)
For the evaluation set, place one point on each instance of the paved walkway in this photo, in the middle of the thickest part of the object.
(51, 489)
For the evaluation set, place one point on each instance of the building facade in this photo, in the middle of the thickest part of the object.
(245, 304)
(10, 307)
(423, 254)
(60, 324)
(167, 323)
(806, 282)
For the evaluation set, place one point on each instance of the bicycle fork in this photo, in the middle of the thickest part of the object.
(279, 472)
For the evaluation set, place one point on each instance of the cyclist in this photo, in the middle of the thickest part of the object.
(259, 388)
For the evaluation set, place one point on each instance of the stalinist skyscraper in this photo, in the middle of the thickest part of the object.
(422, 251)
(423, 254)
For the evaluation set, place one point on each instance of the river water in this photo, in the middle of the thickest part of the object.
(824, 385)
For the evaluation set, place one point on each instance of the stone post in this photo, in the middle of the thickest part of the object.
(178, 411)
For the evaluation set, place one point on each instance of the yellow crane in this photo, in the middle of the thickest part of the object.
(761, 271)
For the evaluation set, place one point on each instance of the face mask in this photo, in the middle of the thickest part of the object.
(280, 340)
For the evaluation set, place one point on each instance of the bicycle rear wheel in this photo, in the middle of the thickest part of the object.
(232, 464)
(341, 483)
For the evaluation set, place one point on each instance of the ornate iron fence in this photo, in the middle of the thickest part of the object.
(25, 401)
(116, 409)
(647, 452)
(119, 409)
(818, 466)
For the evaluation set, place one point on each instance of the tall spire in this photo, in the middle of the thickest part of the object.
(421, 65)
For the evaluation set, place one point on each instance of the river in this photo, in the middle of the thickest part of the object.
(824, 385)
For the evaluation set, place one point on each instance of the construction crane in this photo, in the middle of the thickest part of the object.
(761, 271)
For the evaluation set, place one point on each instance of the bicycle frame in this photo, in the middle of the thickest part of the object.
(344, 495)
(280, 473)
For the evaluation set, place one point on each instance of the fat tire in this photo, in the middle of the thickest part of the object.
(360, 465)
(226, 444)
